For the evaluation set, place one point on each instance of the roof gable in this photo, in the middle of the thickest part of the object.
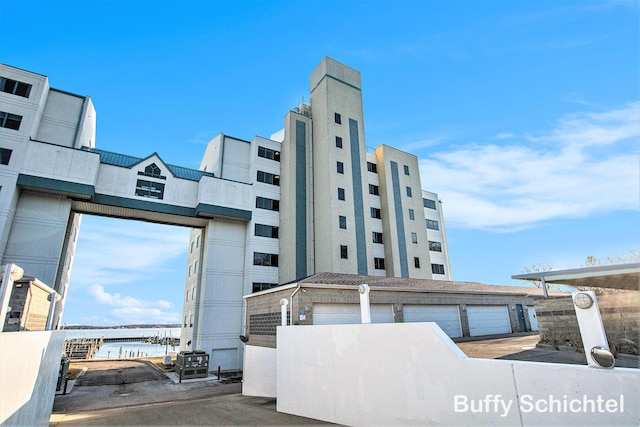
(126, 161)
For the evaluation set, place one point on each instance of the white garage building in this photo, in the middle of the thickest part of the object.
(461, 309)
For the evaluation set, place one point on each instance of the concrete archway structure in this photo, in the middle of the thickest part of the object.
(51, 173)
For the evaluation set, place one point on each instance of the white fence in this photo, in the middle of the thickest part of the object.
(413, 374)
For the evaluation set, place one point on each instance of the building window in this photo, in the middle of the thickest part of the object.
(378, 263)
(268, 153)
(372, 167)
(337, 118)
(190, 270)
(191, 320)
(188, 293)
(435, 246)
(14, 87)
(343, 252)
(266, 260)
(406, 170)
(340, 193)
(375, 213)
(428, 203)
(343, 221)
(5, 156)
(192, 246)
(432, 225)
(437, 268)
(185, 321)
(262, 230)
(409, 192)
(261, 286)
(153, 171)
(268, 178)
(195, 267)
(10, 121)
(374, 189)
(193, 293)
(414, 237)
(340, 167)
(412, 215)
(153, 190)
(416, 262)
(377, 237)
(198, 242)
(268, 204)
(338, 142)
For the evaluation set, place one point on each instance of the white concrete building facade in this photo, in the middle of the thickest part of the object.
(346, 208)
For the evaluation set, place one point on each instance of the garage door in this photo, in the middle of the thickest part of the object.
(343, 314)
(446, 316)
(488, 320)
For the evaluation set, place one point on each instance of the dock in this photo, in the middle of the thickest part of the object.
(82, 348)
(86, 348)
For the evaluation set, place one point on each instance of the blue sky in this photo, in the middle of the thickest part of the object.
(525, 116)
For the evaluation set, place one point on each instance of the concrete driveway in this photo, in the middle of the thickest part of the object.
(134, 392)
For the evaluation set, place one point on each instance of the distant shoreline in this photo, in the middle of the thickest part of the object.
(69, 327)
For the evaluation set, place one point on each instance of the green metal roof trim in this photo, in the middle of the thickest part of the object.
(165, 208)
(126, 161)
(204, 208)
(64, 187)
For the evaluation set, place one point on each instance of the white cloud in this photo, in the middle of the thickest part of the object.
(117, 251)
(424, 143)
(587, 163)
(133, 310)
(504, 135)
(134, 257)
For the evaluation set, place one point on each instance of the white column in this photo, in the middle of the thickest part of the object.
(365, 309)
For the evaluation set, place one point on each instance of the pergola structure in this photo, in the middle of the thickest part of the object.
(618, 276)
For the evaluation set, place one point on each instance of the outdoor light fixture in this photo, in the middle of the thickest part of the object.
(603, 357)
(583, 300)
(16, 273)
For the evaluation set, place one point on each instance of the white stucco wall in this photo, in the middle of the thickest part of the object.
(62, 114)
(259, 375)
(29, 365)
(61, 163)
(37, 235)
(413, 374)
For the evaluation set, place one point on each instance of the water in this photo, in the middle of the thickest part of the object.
(127, 349)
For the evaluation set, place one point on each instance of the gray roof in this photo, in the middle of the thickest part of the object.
(419, 284)
(126, 161)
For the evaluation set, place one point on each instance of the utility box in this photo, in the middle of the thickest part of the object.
(30, 303)
(192, 364)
